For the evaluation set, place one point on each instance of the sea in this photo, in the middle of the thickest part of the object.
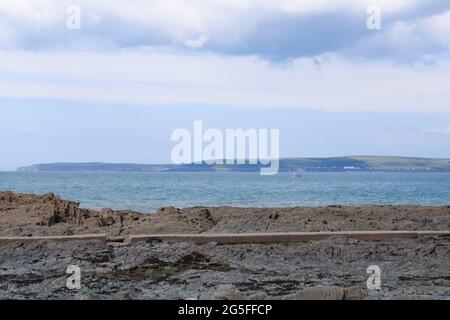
(145, 192)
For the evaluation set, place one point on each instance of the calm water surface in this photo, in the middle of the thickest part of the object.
(148, 191)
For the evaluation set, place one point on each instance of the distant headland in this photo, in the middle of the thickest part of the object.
(332, 164)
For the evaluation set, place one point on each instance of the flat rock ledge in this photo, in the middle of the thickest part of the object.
(237, 238)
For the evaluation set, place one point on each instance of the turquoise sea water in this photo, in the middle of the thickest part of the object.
(147, 191)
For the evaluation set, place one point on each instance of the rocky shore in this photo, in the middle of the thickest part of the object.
(336, 268)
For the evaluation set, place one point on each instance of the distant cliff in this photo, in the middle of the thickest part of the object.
(335, 164)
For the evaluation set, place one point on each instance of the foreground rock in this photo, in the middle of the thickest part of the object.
(24, 215)
(336, 268)
(413, 297)
(327, 293)
(228, 292)
(327, 269)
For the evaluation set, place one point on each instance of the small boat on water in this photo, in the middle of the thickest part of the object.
(295, 174)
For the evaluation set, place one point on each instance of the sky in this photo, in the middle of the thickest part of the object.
(115, 88)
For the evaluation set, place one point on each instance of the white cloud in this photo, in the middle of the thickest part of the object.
(269, 28)
(196, 43)
(211, 52)
(438, 130)
(154, 78)
(409, 39)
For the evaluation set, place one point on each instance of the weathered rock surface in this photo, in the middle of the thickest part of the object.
(157, 270)
(334, 268)
(49, 215)
(317, 293)
(228, 292)
(327, 293)
(413, 297)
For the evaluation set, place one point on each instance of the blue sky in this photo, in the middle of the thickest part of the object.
(137, 70)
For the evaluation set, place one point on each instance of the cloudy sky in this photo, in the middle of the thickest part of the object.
(135, 70)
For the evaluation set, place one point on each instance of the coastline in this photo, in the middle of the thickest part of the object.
(415, 267)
